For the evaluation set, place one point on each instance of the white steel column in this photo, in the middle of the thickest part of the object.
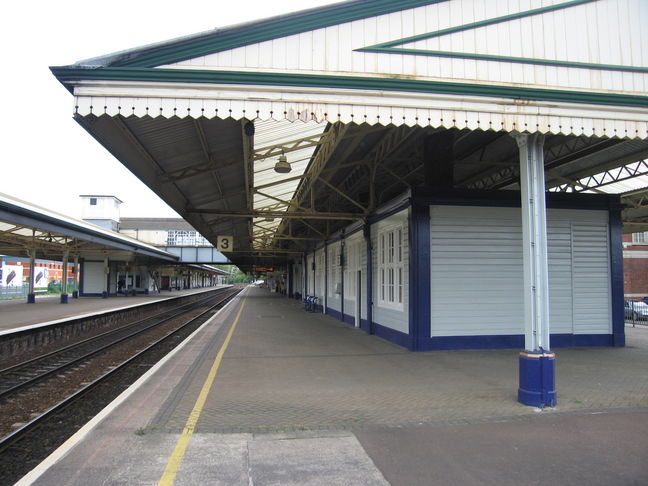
(537, 365)
(534, 235)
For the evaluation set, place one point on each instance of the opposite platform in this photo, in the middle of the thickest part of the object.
(266, 393)
(15, 314)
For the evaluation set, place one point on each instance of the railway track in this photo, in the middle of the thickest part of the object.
(33, 371)
(28, 444)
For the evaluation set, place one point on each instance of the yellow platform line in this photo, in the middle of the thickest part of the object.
(173, 465)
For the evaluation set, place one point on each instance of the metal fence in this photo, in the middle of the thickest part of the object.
(636, 313)
(14, 292)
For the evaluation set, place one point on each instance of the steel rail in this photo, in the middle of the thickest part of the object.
(102, 342)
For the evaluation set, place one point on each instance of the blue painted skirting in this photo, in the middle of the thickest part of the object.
(513, 341)
(350, 320)
(473, 342)
(334, 313)
(391, 335)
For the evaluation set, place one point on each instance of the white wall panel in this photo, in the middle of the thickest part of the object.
(320, 276)
(334, 300)
(477, 271)
(93, 277)
(309, 275)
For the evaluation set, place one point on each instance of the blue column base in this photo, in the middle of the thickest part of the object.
(104, 295)
(75, 294)
(64, 298)
(31, 298)
(537, 379)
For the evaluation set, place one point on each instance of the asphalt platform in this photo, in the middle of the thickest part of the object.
(268, 394)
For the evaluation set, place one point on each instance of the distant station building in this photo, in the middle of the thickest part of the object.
(101, 210)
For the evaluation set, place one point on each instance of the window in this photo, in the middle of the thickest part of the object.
(93, 201)
(640, 238)
(390, 267)
(334, 270)
(186, 238)
(352, 265)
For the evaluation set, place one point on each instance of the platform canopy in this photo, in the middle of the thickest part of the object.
(25, 227)
(355, 95)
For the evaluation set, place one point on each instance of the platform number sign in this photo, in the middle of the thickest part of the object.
(224, 243)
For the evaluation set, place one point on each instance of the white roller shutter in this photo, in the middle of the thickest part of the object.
(591, 279)
(94, 277)
(476, 272)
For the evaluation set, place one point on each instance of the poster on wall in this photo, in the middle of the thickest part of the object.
(41, 277)
(11, 275)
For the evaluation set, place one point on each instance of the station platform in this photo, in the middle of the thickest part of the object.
(15, 314)
(268, 394)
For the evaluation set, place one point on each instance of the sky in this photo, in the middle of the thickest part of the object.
(46, 158)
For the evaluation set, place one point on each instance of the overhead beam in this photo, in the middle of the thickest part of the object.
(280, 214)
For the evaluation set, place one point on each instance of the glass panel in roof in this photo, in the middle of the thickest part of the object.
(299, 141)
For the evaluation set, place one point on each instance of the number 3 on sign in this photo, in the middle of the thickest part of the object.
(224, 243)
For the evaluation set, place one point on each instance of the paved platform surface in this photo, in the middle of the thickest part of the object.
(17, 313)
(302, 399)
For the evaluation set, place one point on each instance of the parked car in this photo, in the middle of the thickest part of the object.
(636, 310)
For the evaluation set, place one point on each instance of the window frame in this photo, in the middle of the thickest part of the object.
(391, 267)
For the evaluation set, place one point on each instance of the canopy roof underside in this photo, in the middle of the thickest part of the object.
(352, 94)
(218, 173)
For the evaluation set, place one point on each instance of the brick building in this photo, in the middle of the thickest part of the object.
(635, 265)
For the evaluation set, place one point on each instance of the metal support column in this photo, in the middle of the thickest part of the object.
(326, 282)
(64, 277)
(366, 232)
(342, 264)
(104, 294)
(75, 272)
(537, 364)
(31, 296)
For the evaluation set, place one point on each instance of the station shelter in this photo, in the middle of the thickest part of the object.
(446, 174)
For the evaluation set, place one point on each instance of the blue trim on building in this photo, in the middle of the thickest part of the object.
(616, 273)
(511, 341)
(419, 275)
(367, 325)
(325, 290)
(391, 335)
(418, 201)
(473, 342)
(473, 197)
(581, 340)
(334, 313)
(342, 263)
